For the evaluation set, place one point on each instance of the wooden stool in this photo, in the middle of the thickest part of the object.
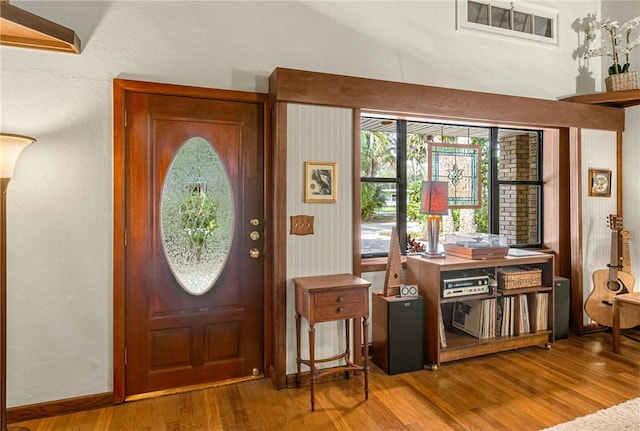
(625, 300)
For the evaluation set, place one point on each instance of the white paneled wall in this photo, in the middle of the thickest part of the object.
(631, 187)
(322, 134)
(598, 150)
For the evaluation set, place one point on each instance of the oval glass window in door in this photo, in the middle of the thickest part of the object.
(196, 216)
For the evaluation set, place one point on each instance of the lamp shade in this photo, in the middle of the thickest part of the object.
(10, 148)
(434, 197)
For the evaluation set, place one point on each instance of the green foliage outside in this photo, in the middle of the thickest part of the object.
(372, 200)
(198, 219)
(482, 214)
(413, 206)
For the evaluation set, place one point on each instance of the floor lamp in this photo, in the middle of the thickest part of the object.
(434, 201)
(10, 148)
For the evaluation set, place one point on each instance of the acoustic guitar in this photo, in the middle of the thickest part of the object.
(610, 282)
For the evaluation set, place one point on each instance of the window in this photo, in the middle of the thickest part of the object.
(397, 155)
(515, 19)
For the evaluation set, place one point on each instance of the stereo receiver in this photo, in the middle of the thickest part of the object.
(473, 285)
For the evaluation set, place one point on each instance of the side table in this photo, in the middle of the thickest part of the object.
(626, 301)
(327, 298)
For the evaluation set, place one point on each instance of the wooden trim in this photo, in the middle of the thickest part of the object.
(269, 244)
(375, 264)
(120, 88)
(23, 29)
(619, 172)
(279, 214)
(556, 223)
(355, 185)
(297, 86)
(577, 260)
(59, 407)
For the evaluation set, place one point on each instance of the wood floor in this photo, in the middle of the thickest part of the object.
(527, 389)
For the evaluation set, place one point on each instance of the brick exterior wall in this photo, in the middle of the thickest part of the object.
(518, 204)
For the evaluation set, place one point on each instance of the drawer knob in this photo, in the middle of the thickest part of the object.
(340, 309)
(341, 299)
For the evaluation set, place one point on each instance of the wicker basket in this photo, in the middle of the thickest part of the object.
(622, 81)
(518, 277)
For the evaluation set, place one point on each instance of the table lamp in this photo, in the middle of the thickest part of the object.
(434, 201)
(10, 148)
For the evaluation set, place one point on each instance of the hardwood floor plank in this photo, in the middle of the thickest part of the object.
(526, 389)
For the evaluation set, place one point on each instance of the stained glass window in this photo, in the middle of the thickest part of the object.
(459, 165)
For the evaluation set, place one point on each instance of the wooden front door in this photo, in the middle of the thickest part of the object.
(175, 337)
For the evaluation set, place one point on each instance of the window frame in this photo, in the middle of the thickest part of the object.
(493, 188)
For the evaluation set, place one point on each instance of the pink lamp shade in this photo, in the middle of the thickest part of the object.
(434, 198)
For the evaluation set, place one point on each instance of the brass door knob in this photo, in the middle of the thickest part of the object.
(254, 253)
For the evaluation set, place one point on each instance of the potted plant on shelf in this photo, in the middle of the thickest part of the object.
(616, 43)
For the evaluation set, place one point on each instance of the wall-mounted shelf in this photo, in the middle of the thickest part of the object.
(617, 99)
(23, 29)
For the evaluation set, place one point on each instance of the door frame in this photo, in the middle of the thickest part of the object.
(120, 88)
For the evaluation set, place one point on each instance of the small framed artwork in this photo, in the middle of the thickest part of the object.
(320, 184)
(600, 182)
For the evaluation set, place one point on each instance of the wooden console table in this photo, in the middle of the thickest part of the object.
(329, 298)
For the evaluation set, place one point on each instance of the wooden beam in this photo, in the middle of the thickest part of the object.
(297, 86)
(22, 29)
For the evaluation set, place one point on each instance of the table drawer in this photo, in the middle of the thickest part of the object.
(339, 297)
(341, 311)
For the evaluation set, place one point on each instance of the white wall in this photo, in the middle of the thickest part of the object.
(598, 151)
(631, 187)
(321, 134)
(60, 200)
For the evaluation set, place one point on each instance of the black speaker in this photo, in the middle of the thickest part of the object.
(397, 339)
(562, 307)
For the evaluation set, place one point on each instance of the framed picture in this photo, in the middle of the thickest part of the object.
(320, 182)
(600, 182)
